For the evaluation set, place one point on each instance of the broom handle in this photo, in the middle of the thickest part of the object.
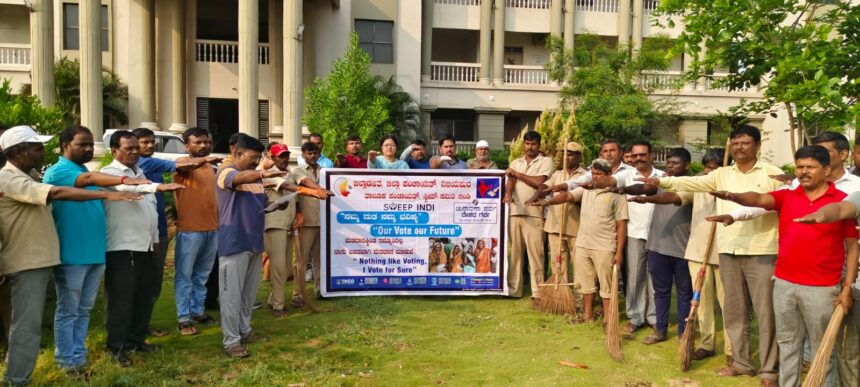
(700, 278)
(563, 215)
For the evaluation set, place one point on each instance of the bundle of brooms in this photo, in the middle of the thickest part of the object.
(818, 370)
(685, 349)
(554, 296)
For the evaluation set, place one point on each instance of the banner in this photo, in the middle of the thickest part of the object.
(413, 232)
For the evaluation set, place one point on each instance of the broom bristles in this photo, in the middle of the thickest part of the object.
(821, 362)
(556, 299)
(688, 338)
(613, 338)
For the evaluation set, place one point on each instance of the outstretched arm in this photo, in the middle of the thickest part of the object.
(99, 179)
(80, 195)
(661, 198)
(637, 189)
(831, 213)
(749, 199)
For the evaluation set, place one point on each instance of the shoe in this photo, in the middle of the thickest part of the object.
(187, 329)
(732, 371)
(204, 319)
(76, 372)
(701, 353)
(120, 357)
(237, 351)
(631, 329)
(279, 313)
(257, 305)
(769, 383)
(296, 303)
(156, 332)
(253, 338)
(144, 348)
(654, 338)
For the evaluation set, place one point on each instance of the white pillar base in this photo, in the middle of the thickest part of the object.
(484, 81)
(499, 82)
(177, 127)
(100, 149)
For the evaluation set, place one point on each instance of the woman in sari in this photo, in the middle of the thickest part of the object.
(457, 259)
(438, 259)
(484, 255)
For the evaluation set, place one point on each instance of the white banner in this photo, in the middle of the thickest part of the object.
(415, 232)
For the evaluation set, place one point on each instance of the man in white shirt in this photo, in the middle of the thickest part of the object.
(130, 270)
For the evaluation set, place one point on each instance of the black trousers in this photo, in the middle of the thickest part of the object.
(130, 281)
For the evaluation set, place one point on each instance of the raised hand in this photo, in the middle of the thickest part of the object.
(725, 195)
(815, 217)
(136, 181)
(267, 174)
(726, 220)
(169, 187)
(784, 178)
(652, 181)
(114, 196)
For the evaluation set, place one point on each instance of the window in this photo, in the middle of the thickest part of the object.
(375, 38)
(461, 130)
(71, 27)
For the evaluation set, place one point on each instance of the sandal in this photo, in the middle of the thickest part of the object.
(187, 329)
(253, 338)
(237, 351)
(204, 319)
(631, 329)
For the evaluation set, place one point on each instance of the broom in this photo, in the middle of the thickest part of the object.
(818, 370)
(613, 337)
(299, 278)
(685, 349)
(553, 296)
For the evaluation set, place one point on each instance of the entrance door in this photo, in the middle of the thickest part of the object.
(221, 117)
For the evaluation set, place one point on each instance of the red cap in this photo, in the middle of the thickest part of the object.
(277, 149)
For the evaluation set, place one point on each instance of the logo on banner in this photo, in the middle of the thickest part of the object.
(488, 188)
(342, 186)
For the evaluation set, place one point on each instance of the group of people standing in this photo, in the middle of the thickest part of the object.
(786, 252)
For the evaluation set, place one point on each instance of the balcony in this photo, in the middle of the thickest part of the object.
(216, 51)
(605, 6)
(454, 72)
(529, 4)
(458, 2)
(526, 75)
(14, 57)
(674, 80)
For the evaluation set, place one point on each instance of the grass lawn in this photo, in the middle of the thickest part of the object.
(385, 341)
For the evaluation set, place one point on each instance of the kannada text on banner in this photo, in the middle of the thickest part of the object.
(390, 232)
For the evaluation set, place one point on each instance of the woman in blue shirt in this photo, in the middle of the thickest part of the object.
(388, 159)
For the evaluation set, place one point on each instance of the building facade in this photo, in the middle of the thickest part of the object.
(475, 66)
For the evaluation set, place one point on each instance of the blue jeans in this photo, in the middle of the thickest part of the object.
(77, 287)
(665, 270)
(195, 255)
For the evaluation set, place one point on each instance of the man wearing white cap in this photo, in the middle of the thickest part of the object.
(482, 157)
(30, 246)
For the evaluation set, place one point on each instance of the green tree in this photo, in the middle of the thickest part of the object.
(347, 102)
(600, 83)
(404, 113)
(801, 54)
(67, 78)
(23, 109)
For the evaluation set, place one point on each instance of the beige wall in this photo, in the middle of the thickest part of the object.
(534, 51)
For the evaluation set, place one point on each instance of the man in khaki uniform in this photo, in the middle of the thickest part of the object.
(526, 174)
(567, 242)
(599, 245)
(279, 238)
(310, 228)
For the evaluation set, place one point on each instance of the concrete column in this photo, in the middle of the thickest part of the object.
(177, 67)
(623, 23)
(42, 51)
(276, 60)
(687, 62)
(555, 18)
(427, 123)
(637, 25)
(249, 36)
(694, 133)
(147, 58)
(499, 43)
(569, 28)
(293, 65)
(426, 39)
(484, 46)
(702, 82)
(91, 69)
